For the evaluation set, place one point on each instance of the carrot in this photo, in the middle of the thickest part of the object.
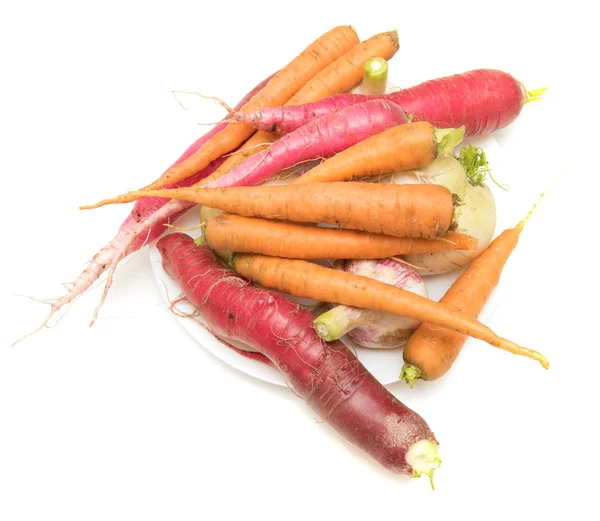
(431, 351)
(340, 76)
(323, 51)
(327, 375)
(306, 280)
(234, 233)
(400, 148)
(401, 210)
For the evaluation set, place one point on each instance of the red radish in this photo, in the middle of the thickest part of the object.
(326, 375)
(483, 100)
(129, 239)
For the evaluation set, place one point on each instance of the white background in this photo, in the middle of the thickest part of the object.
(131, 419)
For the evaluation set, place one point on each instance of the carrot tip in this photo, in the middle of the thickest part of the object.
(410, 374)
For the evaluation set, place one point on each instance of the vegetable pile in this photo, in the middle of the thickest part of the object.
(349, 231)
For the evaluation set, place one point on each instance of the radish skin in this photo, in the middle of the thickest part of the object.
(326, 375)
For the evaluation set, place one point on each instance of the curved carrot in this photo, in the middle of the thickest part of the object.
(431, 351)
(306, 280)
(280, 89)
(340, 76)
(400, 148)
(401, 210)
(234, 233)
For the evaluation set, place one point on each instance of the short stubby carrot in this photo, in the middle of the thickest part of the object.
(233, 233)
(401, 210)
(404, 147)
(307, 280)
(291, 78)
(339, 76)
(432, 351)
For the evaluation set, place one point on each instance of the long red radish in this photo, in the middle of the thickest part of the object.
(284, 84)
(233, 233)
(431, 351)
(306, 280)
(401, 210)
(320, 138)
(145, 222)
(483, 100)
(326, 375)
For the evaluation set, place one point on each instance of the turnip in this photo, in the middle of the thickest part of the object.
(475, 214)
(369, 328)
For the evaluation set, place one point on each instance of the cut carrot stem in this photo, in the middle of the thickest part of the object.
(375, 76)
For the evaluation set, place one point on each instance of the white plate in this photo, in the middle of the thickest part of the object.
(384, 364)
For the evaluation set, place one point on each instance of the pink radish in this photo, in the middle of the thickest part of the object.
(483, 100)
(326, 375)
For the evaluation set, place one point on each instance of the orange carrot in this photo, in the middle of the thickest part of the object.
(401, 210)
(306, 280)
(233, 233)
(404, 147)
(431, 351)
(340, 76)
(348, 71)
(322, 52)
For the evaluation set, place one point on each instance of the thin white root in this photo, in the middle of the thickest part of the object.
(184, 229)
(42, 325)
(43, 301)
(248, 148)
(214, 98)
(402, 261)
